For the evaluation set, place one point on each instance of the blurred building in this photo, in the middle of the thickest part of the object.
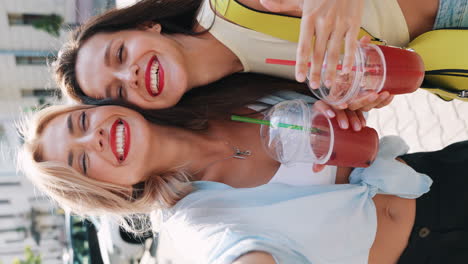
(32, 32)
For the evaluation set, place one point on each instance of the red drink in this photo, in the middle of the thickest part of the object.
(350, 148)
(405, 70)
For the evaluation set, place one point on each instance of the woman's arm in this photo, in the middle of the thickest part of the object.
(255, 257)
(332, 23)
(342, 175)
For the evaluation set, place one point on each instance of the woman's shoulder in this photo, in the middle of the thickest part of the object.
(257, 5)
(256, 257)
(222, 6)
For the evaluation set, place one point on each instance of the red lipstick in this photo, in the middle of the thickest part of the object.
(126, 138)
(160, 74)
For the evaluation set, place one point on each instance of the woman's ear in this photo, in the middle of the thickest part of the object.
(151, 26)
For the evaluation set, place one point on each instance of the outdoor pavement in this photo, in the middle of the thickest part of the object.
(425, 121)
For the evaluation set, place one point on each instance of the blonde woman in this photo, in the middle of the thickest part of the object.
(211, 143)
(111, 160)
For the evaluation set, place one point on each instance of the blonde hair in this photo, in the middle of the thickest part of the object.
(86, 196)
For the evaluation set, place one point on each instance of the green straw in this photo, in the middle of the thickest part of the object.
(265, 122)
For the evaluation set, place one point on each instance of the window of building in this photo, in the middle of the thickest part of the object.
(9, 184)
(41, 93)
(7, 150)
(3, 135)
(7, 216)
(25, 19)
(38, 198)
(33, 60)
(15, 19)
(50, 23)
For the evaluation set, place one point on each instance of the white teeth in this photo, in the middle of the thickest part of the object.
(155, 77)
(120, 139)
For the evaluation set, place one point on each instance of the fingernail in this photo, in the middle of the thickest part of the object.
(301, 77)
(314, 85)
(343, 124)
(330, 113)
(373, 97)
(343, 106)
(357, 126)
(384, 96)
(328, 83)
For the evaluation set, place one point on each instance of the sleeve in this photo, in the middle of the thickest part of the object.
(389, 176)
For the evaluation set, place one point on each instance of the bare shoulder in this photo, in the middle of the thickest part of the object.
(255, 257)
(255, 4)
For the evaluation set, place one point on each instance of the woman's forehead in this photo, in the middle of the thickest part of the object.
(54, 138)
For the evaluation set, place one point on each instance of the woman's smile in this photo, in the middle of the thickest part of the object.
(154, 77)
(142, 67)
(120, 139)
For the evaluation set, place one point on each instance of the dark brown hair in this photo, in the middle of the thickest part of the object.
(217, 100)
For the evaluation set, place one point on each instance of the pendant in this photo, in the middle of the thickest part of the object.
(238, 154)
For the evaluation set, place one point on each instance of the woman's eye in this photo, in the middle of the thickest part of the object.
(120, 53)
(84, 164)
(83, 120)
(120, 92)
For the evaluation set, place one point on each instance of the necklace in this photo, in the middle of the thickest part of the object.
(237, 154)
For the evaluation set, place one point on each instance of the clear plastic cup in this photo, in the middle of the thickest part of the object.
(376, 68)
(368, 73)
(297, 134)
(404, 70)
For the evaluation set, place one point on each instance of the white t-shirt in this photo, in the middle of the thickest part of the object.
(301, 174)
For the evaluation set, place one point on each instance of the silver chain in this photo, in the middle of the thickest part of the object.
(238, 154)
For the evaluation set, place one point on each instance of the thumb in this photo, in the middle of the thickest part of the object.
(366, 39)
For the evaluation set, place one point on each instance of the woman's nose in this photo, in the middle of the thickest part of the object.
(130, 76)
(95, 140)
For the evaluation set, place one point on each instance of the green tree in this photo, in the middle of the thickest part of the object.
(30, 257)
(50, 24)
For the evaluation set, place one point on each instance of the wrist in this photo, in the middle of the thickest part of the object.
(342, 175)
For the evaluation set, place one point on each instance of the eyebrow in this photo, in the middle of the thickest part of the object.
(70, 159)
(108, 93)
(107, 53)
(70, 124)
(70, 130)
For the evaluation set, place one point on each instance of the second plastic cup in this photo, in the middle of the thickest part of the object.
(376, 68)
(297, 134)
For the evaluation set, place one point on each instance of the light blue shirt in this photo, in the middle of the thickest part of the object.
(295, 224)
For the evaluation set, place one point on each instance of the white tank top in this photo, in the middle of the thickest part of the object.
(301, 174)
